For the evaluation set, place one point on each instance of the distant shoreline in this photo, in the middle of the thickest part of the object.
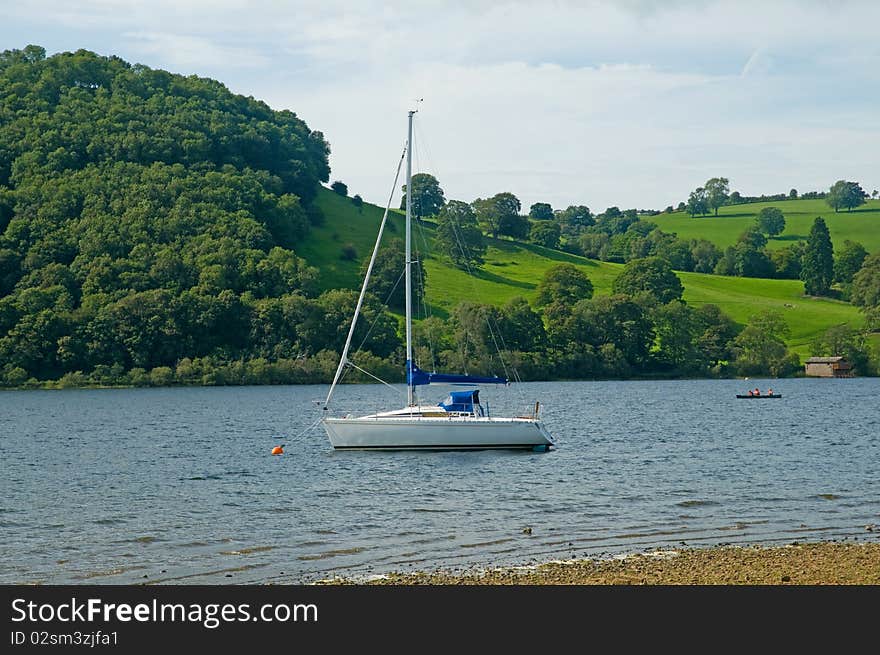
(819, 563)
(54, 385)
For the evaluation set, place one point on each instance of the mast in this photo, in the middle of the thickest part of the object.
(409, 354)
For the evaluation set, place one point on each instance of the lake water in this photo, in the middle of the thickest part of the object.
(178, 485)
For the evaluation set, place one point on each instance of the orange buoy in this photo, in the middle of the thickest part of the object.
(278, 450)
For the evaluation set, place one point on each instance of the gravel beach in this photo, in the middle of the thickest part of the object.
(826, 563)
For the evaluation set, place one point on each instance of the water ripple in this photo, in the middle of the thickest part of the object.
(191, 486)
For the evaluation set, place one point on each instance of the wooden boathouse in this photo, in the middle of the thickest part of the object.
(828, 367)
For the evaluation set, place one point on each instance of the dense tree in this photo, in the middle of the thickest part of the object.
(10, 270)
(340, 187)
(669, 247)
(611, 213)
(676, 331)
(793, 194)
(546, 234)
(613, 221)
(717, 190)
(751, 261)
(705, 255)
(574, 219)
(747, 258)
(787, 261)
(760, 348)
(698, 202)
(753, 238)
(771, 221)
(475, 328)
(817, 267)
(427, 196)
(515, 226)
(651, 275)
(376, 330)
(642, 227)
(458, 236)
(499, 214)
(715, 334)
(691, 341)
(866, 284)
(619, 321)
(592, 243)
(541, 211)
(726, 264)
(846, 195)
(848, 261)
(521, 327)
(563, 284)
(357, 201)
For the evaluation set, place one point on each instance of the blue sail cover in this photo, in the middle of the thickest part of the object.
(462, 401)
(416, 376)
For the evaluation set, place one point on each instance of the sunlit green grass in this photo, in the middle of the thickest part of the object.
(862, 224)
(344, 224)
(515, 269)
(741, 297)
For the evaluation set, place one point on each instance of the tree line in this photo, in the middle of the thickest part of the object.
(715, 193)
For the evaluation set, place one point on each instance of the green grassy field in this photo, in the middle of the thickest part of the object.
(514, 269)
(862, 224)
(344, 224)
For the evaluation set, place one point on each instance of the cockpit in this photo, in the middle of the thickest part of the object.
(465, 402)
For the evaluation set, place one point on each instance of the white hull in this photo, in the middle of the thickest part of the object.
(440, 433)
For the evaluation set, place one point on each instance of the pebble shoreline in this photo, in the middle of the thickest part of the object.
(824, 563)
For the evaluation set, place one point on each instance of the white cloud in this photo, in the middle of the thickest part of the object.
(191, 52)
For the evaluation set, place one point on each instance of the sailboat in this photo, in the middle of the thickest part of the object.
(461, 421)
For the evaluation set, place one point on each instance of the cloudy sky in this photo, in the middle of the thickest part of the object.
(630, 102)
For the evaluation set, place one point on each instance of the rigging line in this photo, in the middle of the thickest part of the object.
(458, 239)
(344, 357)
(421, 140)
(423, 301)
(459, 243)
(308, 429)
(420, 231)
(379, 314)
(365, 372)
(516, 377)
(427, 314)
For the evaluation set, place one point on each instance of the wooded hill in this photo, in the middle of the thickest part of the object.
(158, 229)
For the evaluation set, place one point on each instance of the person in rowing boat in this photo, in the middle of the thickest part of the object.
(769, 392)
(757, 392)
(751, 393)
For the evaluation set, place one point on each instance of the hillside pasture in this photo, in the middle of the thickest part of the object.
(514, 269)
(861, 224)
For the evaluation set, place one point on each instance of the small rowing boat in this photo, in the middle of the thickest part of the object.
(768, 395)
